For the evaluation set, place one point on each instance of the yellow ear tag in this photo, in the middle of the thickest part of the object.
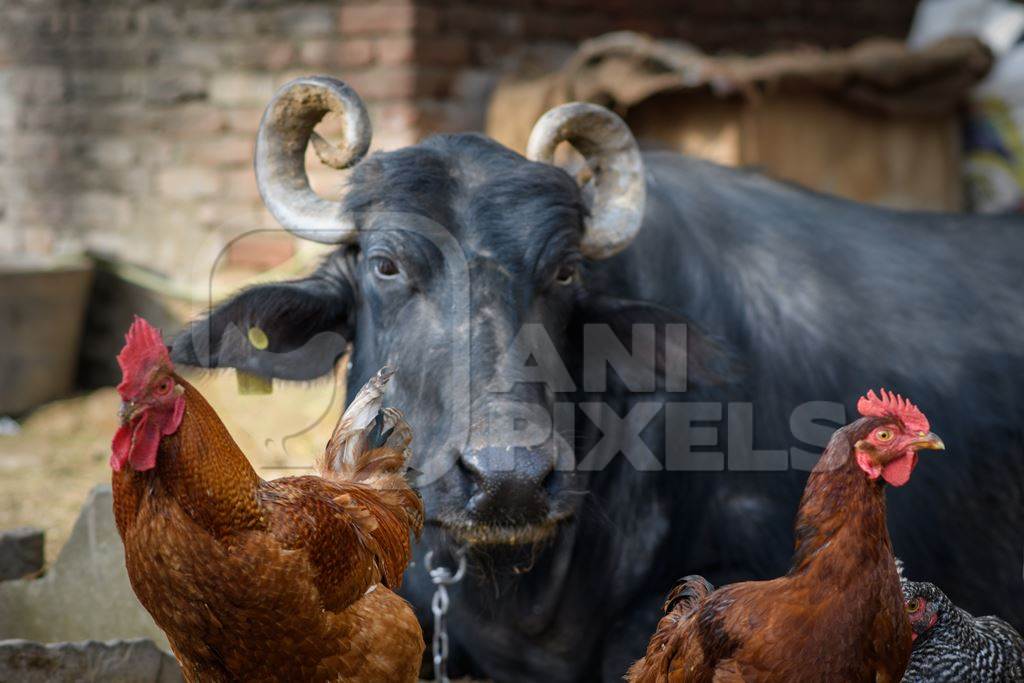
(248, 383)
(258, 338)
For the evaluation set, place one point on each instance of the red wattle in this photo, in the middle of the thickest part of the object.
(898, 472)
(138, 442)
(145, 443)
(120, 448)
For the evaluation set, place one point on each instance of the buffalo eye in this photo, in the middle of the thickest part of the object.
(385, 267)
(566, 274)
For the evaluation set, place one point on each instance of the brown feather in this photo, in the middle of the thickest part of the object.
(351, 459)
(250, 579)
(840, 602)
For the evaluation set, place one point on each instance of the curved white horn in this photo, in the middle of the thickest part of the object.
(611, 152)
(285, 130)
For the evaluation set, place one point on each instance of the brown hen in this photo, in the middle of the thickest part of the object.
(838, 615)
(252, 580)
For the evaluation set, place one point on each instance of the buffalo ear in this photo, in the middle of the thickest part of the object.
(290, 330)
(710, 362)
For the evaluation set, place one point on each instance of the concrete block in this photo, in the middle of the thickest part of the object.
(86, 594)
(21, 552)
(115, 661)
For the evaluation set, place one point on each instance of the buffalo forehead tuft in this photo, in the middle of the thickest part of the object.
(483, 193)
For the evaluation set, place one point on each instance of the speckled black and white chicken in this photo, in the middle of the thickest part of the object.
(951, 646)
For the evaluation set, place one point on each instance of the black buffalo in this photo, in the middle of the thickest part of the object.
(457, 253)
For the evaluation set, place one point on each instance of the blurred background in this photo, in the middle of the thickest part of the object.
(126, 183)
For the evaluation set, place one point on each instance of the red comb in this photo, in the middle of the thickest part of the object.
(893, 406)
(143, 348)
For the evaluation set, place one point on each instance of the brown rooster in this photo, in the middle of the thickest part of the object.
(290, 579)
(840, 604)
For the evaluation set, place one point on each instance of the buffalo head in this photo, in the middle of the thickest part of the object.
(454, 255)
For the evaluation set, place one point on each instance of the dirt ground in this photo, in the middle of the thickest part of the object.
(63, 448)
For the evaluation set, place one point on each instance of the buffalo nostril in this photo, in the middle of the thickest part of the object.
(480, 506)
(469, 469)
(504, 491)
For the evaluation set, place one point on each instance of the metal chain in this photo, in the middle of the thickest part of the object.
(442, 578)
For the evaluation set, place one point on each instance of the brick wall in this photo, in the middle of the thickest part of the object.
(128, 125)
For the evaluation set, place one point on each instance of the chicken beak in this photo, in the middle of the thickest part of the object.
(127, 412)
(928, 442)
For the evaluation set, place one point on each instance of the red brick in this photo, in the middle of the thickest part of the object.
(490, 51)
(315, 52)
(261, 250)
(305, 21)
(387, 17)
(426, 51)
(353, 53)
(191, 118)
(232, 217)
(243, 119)
(435, 82)
(538, 25)
(396, 115)
(241, 87)
(339, 53)
(398, 50)
(448, 51)
(471, 19)
(377, 18)
(222, 151)
(386, 83)
(259, 54)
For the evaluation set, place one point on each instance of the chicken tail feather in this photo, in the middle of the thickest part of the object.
(369, 440)
(370, 446)
(688, 593)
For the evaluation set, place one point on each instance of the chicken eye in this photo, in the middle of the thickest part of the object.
(385, 267)
(915, 605)
(566, 274)
(164, 386)
(884, 435)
